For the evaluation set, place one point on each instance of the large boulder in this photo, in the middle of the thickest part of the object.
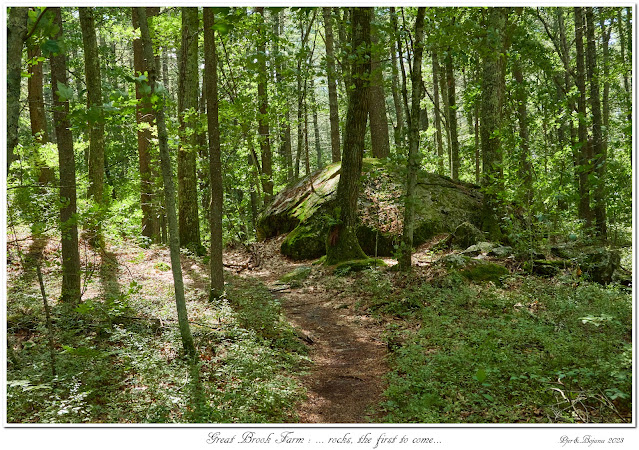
(306, 209)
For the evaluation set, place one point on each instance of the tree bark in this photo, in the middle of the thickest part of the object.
(317, 140)
(525, 163)
(599, 150)
(37, 115)
(16, 33)
(342, 244)
(70, 291)
(452, 117)
(189, 219)
(404, 257)
(380, 145)
(145, 120)
(438, 121)
(169, 188)
(584, 154)
(215, 161)
(281, 84)
(95, 119)
(263, 125)
(399, 112)
(332, 87)
(491, 101)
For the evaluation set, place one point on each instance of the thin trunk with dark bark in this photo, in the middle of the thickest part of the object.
(380, 145)
(188, 213)
(332, 86)
(16, 33)
(169, 188)
(95, 117)
(404, 257)
(215, 161)
(438, 121)
(70, 291)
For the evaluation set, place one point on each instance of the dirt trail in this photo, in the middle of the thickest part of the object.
(346, 380)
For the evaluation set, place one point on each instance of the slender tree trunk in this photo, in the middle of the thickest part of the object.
(332, 86)
(263, 122)
(37, 115)
(401, 62)
(584, 157)
(525, 164)
(491, 102)
(452, 117)
(443, 86)
(380, 144)
(16, 33)
(215, 161)
(169, 188)
(605, 99)
(598, 147)
(145, 120)
(342, 244)
(95, 118)
(318, 142)
(399, 112)
(70, 291)
(438, 121)
(281, 84)
(404, 258)
(189, 218)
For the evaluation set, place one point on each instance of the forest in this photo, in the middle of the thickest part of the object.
(319, 215)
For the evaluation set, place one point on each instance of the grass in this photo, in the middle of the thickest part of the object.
(532, 351)
(119, 357)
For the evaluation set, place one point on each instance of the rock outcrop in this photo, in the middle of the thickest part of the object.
(306, 209)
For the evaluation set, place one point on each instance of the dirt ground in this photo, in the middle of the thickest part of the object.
(346, 379)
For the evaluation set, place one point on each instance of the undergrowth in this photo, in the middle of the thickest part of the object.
(532, 351)
(119, 359)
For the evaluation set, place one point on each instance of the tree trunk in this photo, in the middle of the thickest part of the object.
(452, 117)
(70, 291)
(215, 161)
(318, 142)
(189, 219)
(605, 99)
(281, 85)
(404, 257)
(342, 244)
(398, 40)
(399, 112)
(332, 87)
(263, 125)
(95, 119)
(169, 188)
(438, 121)
(584, 156)
(491, 101)
(599, 157)
(16, 33)
(525, 163)
(145, 120)
(380, 144)
(37, 115)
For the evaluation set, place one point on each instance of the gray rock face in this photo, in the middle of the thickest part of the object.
(306, 208)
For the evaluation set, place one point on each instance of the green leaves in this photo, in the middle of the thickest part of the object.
(64, 92)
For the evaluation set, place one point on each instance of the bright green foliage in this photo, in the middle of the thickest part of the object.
(482, 354)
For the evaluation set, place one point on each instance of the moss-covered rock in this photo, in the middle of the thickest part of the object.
(466, 234)
(545, 267)
(357, 265)
(306, 241)
(441, 206)
(479, 271)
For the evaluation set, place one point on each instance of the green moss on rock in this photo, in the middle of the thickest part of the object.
(306, 241)
(357, 265)
(484, 271)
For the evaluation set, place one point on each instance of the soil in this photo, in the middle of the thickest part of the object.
(345, 382)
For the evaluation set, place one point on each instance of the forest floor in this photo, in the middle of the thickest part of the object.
(298, 342)
(345, 382)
